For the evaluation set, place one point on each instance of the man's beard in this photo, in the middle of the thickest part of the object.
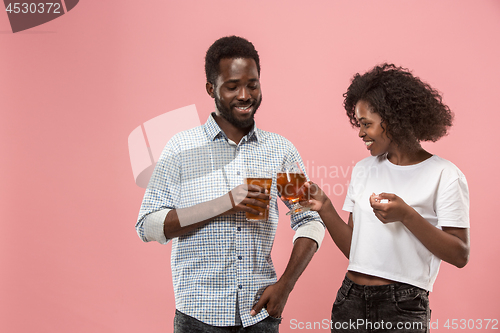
(229, 116)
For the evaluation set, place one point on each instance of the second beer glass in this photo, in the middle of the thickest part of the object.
(290, 180)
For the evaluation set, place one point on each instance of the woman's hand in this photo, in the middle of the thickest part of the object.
(449, 244)
(315, 197)
(389, 207)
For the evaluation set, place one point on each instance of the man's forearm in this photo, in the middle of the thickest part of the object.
(302, 253)
(172, 227)
(275, 296)
(181, 221)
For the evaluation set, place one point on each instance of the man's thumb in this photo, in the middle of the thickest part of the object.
(256, 308)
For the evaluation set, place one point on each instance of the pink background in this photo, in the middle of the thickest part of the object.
(72, 90)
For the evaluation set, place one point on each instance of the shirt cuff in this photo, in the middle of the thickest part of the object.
(153, 226)
(313, 230)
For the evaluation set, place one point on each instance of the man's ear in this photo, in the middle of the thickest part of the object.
(210, 89)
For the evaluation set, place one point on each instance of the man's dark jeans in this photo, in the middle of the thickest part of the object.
(186, 324)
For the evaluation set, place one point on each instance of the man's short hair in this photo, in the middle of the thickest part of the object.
(230, 47)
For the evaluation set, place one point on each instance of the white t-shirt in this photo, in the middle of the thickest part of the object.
(435, 188)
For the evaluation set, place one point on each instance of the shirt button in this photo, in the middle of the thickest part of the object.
(239, 229)
(240, 286)
(240, 257)
(238, 173)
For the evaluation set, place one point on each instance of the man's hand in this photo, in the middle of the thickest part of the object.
(273, 299)
(244, 195)
(275, 296)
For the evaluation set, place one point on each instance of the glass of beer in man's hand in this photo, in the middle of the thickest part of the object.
(262, 178)
(290, 183)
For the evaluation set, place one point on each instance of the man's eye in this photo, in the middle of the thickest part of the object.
(231, 88)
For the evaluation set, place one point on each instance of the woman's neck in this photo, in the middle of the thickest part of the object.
(408, 156)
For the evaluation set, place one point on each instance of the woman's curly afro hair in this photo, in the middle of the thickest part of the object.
(411, 110)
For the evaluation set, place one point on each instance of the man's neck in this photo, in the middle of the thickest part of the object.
(232, 132)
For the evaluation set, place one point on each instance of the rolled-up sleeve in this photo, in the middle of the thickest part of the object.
(153, 227)
(161, 195)
(314, 230)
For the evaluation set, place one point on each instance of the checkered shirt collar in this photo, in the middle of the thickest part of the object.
(213, 130)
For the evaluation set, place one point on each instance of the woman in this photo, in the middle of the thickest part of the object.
(409, 209)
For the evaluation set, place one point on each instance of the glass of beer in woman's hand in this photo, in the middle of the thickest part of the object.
(290, 182)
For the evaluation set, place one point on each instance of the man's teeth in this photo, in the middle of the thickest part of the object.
(368, 143)
(243, 107)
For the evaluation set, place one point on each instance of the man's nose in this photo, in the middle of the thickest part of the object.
(243, 94)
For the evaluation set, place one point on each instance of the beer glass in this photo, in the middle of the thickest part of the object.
(290, 182)
(262, 178)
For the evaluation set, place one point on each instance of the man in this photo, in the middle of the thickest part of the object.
(221, 265)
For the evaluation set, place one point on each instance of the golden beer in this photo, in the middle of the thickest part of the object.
(266, 184)
(290, 185)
